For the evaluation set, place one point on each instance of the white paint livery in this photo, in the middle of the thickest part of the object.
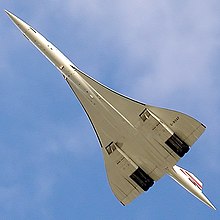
(140, 143)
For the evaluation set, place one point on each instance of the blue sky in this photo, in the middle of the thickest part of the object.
(164, 53)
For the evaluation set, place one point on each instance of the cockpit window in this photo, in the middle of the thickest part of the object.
(33, 30)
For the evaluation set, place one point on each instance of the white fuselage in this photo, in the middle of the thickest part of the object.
(69, 71)
(59, 60)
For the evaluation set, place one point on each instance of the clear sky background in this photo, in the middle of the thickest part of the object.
(163, 53)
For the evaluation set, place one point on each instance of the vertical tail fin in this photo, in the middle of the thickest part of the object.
(190, 182)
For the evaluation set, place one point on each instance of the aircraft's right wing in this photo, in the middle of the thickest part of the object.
(121, 173)
(123, 189)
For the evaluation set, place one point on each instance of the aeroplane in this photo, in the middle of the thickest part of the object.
(140, 143)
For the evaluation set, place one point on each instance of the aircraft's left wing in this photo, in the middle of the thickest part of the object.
(128, 107)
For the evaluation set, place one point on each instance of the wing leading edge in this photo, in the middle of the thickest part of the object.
(141, 144)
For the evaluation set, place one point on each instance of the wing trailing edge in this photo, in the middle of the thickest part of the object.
(155, 141)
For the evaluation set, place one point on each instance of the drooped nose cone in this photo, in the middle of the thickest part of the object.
(18, 22)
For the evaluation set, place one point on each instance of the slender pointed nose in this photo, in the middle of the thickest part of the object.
(18, 22)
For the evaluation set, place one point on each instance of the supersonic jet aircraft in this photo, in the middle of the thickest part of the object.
(140, 143)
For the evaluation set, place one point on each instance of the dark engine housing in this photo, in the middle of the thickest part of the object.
(142, 179)
(177, 145)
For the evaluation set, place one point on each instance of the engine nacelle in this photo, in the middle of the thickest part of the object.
(163, 134)
(128, 167)
(177, 145)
